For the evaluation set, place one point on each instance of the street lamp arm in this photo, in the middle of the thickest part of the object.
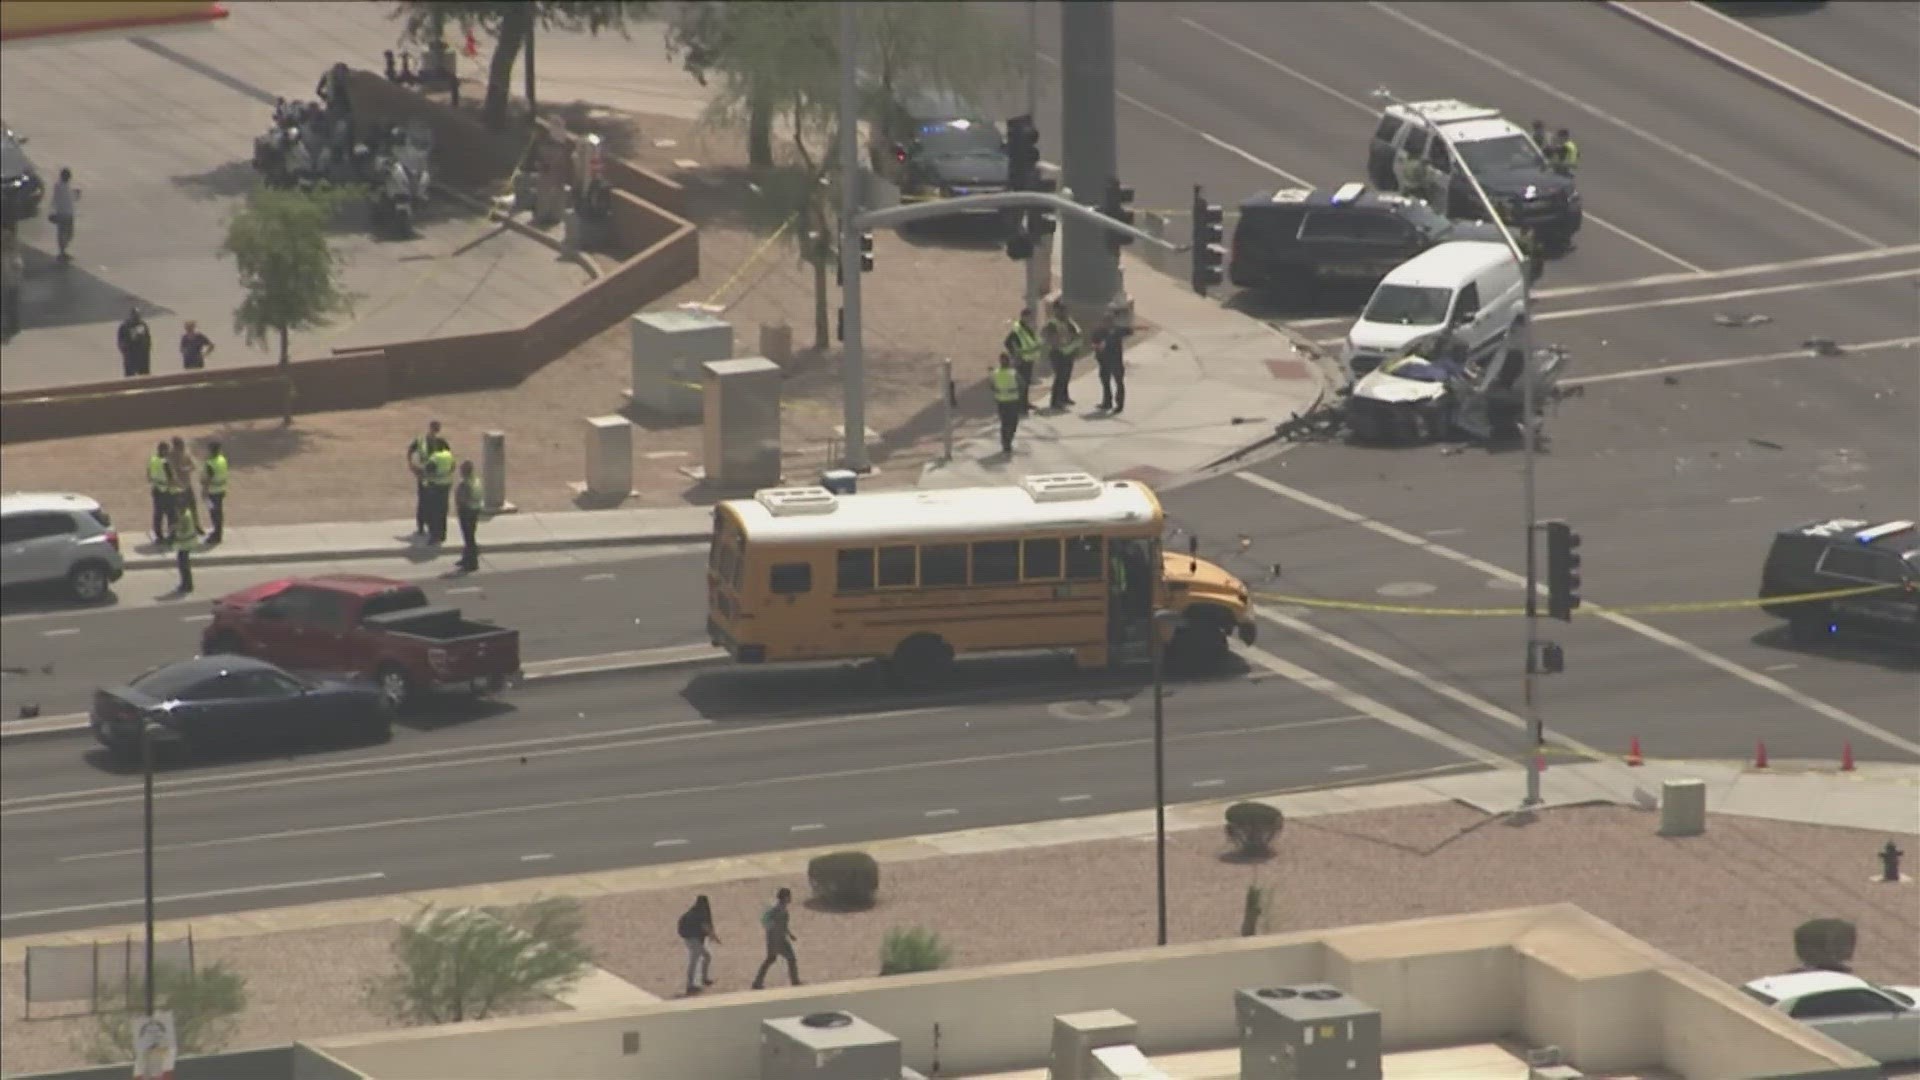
(1006, 200)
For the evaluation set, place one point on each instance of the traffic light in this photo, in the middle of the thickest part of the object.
(866, 250)
(1563, 570)
(1041, 223)
(1209, 230)
(1019, 244)
(1116, 205)
(1023, 154)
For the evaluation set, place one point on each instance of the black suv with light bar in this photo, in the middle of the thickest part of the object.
(938, 147)
(1882, 560)
(1291, 240)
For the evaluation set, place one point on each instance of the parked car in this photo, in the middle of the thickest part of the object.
(58, 538)
(222, 702)
(20, 185)
(1882, 1022)
(368, 627)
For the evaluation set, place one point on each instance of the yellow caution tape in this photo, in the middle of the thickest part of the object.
(754, 258)
(1680, 608)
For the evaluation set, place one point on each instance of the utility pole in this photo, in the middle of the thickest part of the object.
(852, 362)
(146, 802)
(1090, 266)
(1030, 302)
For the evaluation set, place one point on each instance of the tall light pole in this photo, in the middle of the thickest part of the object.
(146, 799)
(1162, 620)
(852, 361)
(1528, 367)
(1030, 301)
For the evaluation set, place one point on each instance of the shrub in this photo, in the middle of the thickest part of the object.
(466, 963)
(1826, 944)
(203, 1003)
(1251, 827)
(844, 879)
(906, 951)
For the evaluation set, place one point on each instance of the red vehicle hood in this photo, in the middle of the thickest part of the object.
(253, 594)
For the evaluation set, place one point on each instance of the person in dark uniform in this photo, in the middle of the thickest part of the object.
(469, 497)
(136, 345)
(1109, 351)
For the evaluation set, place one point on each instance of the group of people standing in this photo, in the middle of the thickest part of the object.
(135, 340)
(1060, 342)
(696, 930)
(172, 474)
(440, 484)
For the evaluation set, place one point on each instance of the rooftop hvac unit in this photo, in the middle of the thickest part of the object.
(1062, 487)
(1309, 1032)
(792, 502)
(827, 1046)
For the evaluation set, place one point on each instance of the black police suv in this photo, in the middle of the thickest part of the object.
(1828, 556)
(1501, 155)
(938, 147)
(1289, 241)
(20, 184)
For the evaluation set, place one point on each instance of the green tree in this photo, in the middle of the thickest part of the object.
(290, 274)
(466, 963)
(512, 24)
(203, 1004)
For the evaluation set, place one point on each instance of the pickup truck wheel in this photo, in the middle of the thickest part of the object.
(88, 581)
(395, 687)
(222, 643)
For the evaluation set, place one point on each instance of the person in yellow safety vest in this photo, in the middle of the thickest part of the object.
(1064, 340)
(439, 478)
(1563, 153)
(1022, 343)
(1009, 399)
(160, 486)
(214, 482)
(469, 498)
(417, 451)
(186, 533)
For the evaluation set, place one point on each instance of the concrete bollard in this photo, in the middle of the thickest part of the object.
(609, 457)
(493, 472)
(1683, 808)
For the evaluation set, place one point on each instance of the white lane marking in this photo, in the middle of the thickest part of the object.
(1851, 349)
(539, 857)
(711, 789)
(1209, 783)
(1375, 112)
(597, 577)
(1359, 702)
(1742, 499)
(1445, 532)
(669, 843)
(1656, 280)
(196, 618)
(1205, 136)
(65, 631)
(1704, 656)
(1780, 667)
(811, 826)
(1408, 588)
(1347, 768)
(463, 590)
(1782, 47)
(948, 812)
(210, 894)
(1736, 294)
(1627, 126)
(1075, 798)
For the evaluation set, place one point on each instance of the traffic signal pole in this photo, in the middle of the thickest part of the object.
(852, 359)
(1030, 302)
(1090, 266)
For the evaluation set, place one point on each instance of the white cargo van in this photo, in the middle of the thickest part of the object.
(1471, 288)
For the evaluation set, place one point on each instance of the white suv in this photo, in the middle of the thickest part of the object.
(66, 538)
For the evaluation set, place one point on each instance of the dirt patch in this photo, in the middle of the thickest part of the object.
(927, 300)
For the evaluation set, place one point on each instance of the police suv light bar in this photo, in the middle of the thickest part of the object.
(1891, 528)
(1348, 192)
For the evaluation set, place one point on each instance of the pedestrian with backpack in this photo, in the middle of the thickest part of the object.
(777, 921)
(696, 926)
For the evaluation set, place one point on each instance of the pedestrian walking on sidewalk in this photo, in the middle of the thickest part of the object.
(213, 481)
(186, 533)
(1109, 351)
(1009, 400)
(469, 497)
(777, 921)
(418, 451)
(440, 470)
(135, 339)
(696, 928)
(195, 347)
(66, 203)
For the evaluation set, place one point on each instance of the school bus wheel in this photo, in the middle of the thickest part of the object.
(1201, 639)
(921, 660)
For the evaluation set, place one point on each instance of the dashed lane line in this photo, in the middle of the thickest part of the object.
(1856, 348)
(181, 898)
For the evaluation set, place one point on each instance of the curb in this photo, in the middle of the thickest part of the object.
(573, 667)
(1726, 60)
(165, 562)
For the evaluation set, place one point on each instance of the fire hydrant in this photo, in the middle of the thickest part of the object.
(1890, 862)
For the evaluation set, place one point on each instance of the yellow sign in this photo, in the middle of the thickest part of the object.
(22, 19)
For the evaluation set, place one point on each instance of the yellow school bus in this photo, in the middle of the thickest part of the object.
(1062, 561)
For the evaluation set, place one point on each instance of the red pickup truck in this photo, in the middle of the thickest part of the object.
(369, 627)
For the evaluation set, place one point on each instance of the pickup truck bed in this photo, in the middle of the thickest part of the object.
(442, 625)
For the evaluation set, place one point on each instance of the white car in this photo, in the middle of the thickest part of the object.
(1882, 1022)
(58, 538)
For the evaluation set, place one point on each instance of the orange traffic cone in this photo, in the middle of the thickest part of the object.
(1846, 757)
(1633, 752)
(1760, 754)
(471, 46)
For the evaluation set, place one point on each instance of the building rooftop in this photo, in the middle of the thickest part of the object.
(1473, 1061)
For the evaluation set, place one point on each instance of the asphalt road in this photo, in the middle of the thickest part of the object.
(619, 771)
(1873, 42)
(564, 605)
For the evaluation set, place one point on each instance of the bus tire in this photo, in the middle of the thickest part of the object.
(921, 660)
(1201, 644)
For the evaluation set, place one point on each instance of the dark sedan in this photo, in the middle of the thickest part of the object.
(222, 702)
(20, 185)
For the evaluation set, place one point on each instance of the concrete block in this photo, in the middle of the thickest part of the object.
(609, 457)
(493, 472)
(1077, 1035)
(668, 349)
(1683, 808)
(742, 418)
(776, 343)
(1123, 1063)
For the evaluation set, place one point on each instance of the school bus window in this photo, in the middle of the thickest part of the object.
(853, 570)
(943, 564)
(996, 562)
(791, 578)
(1042, 559)
(897, 565)
(1083, 558)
